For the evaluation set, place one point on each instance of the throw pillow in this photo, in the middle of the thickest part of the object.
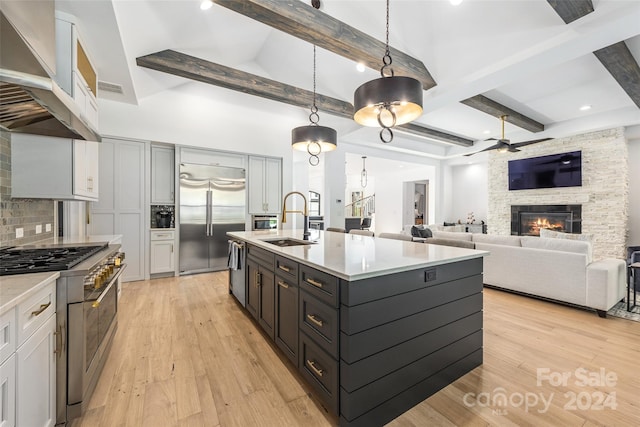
(425, 232)
(415, 231)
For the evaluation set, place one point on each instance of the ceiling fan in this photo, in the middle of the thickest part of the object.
(503, 145)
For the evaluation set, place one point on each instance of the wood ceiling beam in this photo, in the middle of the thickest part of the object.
(486, 105)
(309, 24)
(190, 67)
(621, 64)
(570, 10)
(616, 58)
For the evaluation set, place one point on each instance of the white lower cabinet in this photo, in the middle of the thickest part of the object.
(28, 373)
(8, 392)
(36, 378)
(162, 252)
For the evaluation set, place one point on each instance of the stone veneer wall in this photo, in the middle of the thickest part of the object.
(604, 194)
(25, 213)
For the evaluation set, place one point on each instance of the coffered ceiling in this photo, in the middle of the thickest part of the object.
(516, 55)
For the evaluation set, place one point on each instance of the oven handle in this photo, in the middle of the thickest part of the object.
(97, 301)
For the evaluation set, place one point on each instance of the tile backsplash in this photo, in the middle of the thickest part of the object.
(20, 213)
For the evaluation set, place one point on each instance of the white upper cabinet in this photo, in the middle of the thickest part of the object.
(75, 72)
(162, 175)
(45, 167)
(264, 182)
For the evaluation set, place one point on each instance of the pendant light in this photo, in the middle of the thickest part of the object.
(388, 101)
(363, 174)
(314, 138)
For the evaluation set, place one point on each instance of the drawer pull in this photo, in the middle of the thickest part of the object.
(315, 320)
(42, 308)
(284, 268)
(283, 284)
(312, 365)
(314, 283)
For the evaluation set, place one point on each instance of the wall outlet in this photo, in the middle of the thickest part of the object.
(47, 227)
(38, 229)
(19, 233)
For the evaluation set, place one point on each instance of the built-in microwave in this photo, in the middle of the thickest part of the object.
(264, 222)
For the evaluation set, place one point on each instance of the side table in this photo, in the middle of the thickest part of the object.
(632, 272)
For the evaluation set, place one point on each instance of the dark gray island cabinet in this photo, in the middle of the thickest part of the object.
(371, 348)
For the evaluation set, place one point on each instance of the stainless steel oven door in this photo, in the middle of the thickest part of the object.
(92, 325)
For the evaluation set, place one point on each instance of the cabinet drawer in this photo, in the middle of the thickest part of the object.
(322, 285)
(320, 322)
(262, 255)
(320, 370)
(35, 311)
(7, 334)
(162, 235)
(287, 268)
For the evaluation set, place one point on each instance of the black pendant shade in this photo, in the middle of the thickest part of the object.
(312, 137)
(403, 95)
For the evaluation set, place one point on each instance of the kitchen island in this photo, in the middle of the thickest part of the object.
(374, 325)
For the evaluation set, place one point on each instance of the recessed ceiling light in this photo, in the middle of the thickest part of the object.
(455, 2)
(206, 4)
(486, 132)
(585, 107)
(360, 67)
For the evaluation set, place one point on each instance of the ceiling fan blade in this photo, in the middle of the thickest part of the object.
(493, 147)
(525, 143)
(512, 149)
(491, 139)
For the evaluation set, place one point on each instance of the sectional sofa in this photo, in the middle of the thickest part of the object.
(552, 268)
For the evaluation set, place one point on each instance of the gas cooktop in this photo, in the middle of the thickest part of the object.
(37, 260)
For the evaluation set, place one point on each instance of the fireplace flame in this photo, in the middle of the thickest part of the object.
(539, 223)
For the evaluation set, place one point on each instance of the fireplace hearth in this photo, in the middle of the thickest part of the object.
(527, 220)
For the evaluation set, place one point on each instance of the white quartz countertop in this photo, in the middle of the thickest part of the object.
(84, 240)
(353, 257)
(16, 288)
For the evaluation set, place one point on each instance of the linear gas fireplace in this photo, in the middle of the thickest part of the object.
(527, 220)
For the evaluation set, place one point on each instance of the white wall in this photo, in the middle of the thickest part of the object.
(469, 191)
(202, 116)
(390, 197)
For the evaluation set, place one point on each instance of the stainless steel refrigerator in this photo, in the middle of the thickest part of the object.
(212, 202)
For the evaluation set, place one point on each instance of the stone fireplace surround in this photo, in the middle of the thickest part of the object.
(604, 194)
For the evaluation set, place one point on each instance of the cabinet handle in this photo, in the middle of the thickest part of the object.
(312, 365)
(58, 334)
(42, 308)
(90, 183)
(283, 284)
(172, 248)
(283, 268)
(314, 283)
(315, 320)
(257, 279)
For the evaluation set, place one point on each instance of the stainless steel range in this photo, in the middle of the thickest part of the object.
(86, 311)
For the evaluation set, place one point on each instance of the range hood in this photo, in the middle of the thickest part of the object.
(30, 100)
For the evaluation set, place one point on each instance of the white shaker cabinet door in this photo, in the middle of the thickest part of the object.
(8, 392)
(36, 378)
(273, 185)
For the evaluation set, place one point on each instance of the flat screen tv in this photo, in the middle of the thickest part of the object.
(556, 170)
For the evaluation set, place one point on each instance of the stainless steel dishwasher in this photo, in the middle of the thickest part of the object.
(236, 264)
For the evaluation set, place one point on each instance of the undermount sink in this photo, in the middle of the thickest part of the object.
(288, 242)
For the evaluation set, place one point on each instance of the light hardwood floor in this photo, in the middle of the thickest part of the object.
(186, 354)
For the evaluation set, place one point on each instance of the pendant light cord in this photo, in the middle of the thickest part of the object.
(386, 59)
